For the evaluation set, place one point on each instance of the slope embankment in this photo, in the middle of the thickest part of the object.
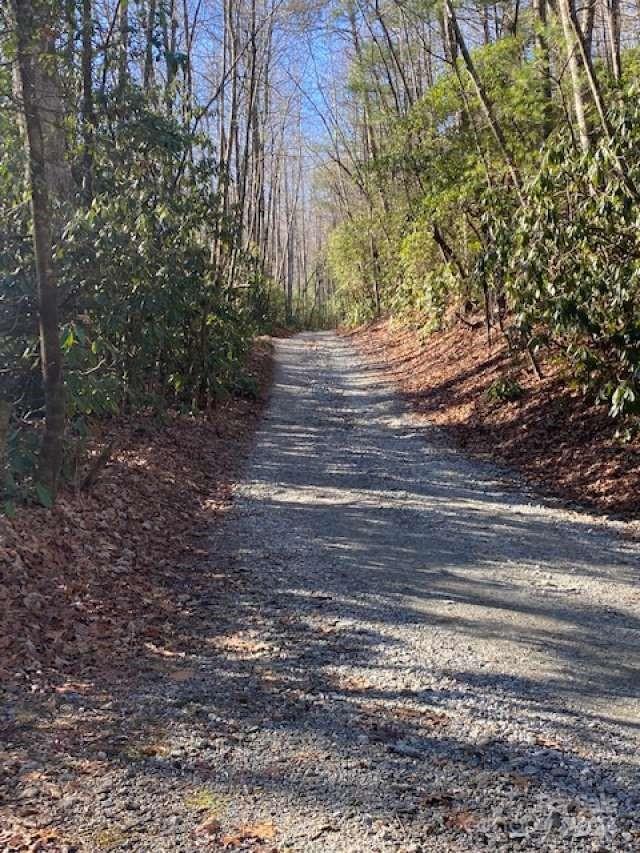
(549, 432)
(89, 585)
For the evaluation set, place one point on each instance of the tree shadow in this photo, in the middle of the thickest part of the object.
(407, 638)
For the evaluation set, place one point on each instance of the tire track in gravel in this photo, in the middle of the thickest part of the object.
(412, 654)
(448, 664)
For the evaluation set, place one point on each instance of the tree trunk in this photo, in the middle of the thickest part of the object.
(88, 116)
(599, 103)
(542, 47)
(149, 73)
(487, 106)
(447, 253)
(613, 21)
(5, 414)
(30, 24)
(123, 47)
(586, 24)
(575, 68)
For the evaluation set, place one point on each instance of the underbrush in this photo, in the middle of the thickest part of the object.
(90, 583)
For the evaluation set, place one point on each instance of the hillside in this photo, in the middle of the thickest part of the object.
(550, 432)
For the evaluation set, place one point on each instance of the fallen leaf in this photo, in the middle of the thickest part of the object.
(327, 827)
(353, 683)
(548, 742)
(437, 799)
(432, 718)
(243, 645)
(522, 782)
(464, 820)
(265, 831)
(210, 826)
(181, 675)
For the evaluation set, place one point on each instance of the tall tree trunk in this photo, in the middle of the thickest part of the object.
(542, 47)
(598, 101)
(71, 22)
(393, 52)
(587, 21)
(123, 45)
(613, 21)
(388, 72)
(169, 31)
(487, 105)
(375, 272)
(486, 34)
(31, 25)
(5, 416)
(149, 73)
(513, 24)
(572, 42)
(88, 116)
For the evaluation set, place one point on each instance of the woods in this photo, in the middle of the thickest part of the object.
(281, 281)
(488, 159)
(152, 213)
(179, 177)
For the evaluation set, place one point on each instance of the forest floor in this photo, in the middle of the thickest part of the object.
(384, 646)
(550, 433)
(88, 590)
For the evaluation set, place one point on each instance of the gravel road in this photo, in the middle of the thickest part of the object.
(423, 656)
(460, 666)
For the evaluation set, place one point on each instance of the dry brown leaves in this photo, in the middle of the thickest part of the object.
(463, 820)
(549, 742)
(419, 716)
(351, 683)
(26, 840)
(384, 721)
(521, 782)
(92, 581)
(243, 646)
(208, 827)
(551, 434)
(259, 832)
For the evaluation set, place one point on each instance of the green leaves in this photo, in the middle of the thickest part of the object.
(625, 400)
(571, 265)
(147, 319)
(155, 332)
(563, 262)
(505, 389)
(44, 495)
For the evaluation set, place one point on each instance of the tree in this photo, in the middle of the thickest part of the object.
(475, 195)
(572, 37)
(42, 133)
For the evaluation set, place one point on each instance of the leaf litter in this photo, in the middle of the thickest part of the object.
(90, 597)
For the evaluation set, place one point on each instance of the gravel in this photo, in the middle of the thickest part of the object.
(419, 655)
